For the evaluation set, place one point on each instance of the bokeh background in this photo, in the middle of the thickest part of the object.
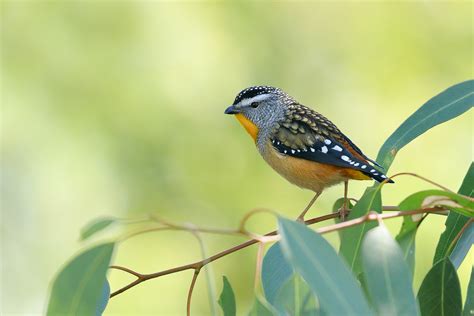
(116, 109)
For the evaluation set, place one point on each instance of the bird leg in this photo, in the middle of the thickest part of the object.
(315, 197)
(344, 208)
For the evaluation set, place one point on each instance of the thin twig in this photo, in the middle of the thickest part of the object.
(372, 216)
(258, 265)
(422, 178)
(190, 292)
(199, 264)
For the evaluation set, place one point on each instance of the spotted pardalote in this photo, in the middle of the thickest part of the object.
(299, 143)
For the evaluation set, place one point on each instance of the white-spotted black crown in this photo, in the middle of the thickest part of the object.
(254, 91)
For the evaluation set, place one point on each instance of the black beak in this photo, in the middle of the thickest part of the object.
(231, 110)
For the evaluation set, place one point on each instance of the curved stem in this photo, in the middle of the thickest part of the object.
(190, 292)
(199, 264)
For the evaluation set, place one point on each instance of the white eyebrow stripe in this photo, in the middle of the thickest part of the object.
(256, 98)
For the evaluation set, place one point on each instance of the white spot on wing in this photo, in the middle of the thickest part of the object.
(324, 149)
(364, 166)
(337, 148)
(345, 158)
(312, 149)
(327, 141)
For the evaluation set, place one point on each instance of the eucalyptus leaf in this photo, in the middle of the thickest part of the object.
(440, 292)
(275, 272)
(96, 226)
(351, 237)
(295, 298)
(227, 298)
(455, 221)
(324, 271)
(423, 199)
(445, 106)
(463, 246)
(387, 276)
(78, 288)
(261, 309)
(469, 305)
(104, 299)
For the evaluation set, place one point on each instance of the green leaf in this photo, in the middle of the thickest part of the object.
(428, 198)
(406, 240)
(440, 292)
(469, 305)
(260, 309)
(227, 299)
(443, 107)
(455, 221)
(326, 274)
(295, 298)
(78, 287)
(351, 237)
(96, 226)
(275, 272)
(388, 277)
(104, 299)
(433, 198)
(447, 105)
(463, 246)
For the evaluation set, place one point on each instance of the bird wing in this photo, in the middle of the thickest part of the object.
(308, 135)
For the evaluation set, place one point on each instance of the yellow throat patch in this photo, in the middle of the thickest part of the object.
(250, 127)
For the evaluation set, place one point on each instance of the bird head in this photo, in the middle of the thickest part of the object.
(260, 108)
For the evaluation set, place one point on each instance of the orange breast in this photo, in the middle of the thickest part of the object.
(250, 127)
(309, 174)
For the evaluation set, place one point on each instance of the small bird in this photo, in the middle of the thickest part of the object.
(300, 144)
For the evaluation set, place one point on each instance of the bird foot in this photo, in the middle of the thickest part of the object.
(343, 213)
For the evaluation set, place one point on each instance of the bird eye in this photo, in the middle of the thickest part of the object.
(254, 104)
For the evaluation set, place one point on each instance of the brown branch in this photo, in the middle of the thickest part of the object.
(422, 178)
(372, 216)
(190, 292)
(199, 264)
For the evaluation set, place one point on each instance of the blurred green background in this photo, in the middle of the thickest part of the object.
(116, 108)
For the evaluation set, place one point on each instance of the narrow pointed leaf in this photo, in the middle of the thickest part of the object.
(423, 199)
(463, 245)
(441, 108)
(79, 286)
(406, 236)
(323, 270)
(96, 226)
(440, 292)
(227, 299)
(295, 298)
(261, 309)
(351, 237)
(104, 299)
(455, 221)
(275, 272)
(469, 305)
(387, 276)
(445, 106)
